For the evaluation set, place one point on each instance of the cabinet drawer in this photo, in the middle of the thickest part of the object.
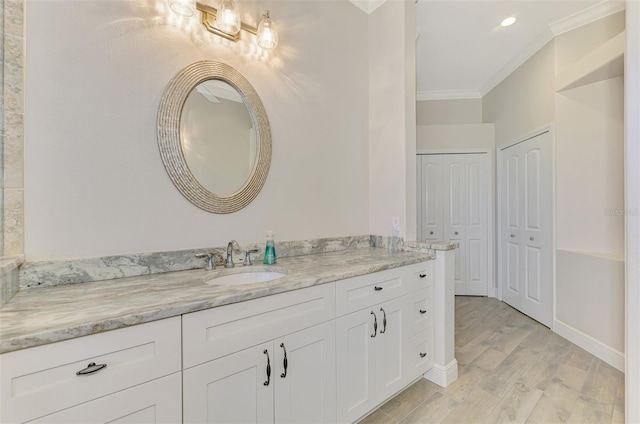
(420, 307)
(220, 331)
(38, 381)
(365, 291)
(421, 277)
(420, 353)
(158, 401)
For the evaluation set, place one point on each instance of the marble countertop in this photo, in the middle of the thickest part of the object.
(44, 315)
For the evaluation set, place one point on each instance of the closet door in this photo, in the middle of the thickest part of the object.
(527, 227)
(430, 197)
(476, 223)
(454, 214)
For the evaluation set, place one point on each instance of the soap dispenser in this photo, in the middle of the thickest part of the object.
(270, 250)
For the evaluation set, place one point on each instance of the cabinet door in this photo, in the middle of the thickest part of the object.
(305, 376)
(237, 388)
(356, 365)
(157, 401)
(390, 344)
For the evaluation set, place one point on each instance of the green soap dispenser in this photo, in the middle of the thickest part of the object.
(270, 250)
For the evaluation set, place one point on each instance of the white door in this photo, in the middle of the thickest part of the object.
(305, 380)
(430, 186)
(356, 364)
(453, 205)
(237, 388)
(526, 244)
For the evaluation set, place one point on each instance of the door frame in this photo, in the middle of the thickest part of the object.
(491, 203)
(550, 128)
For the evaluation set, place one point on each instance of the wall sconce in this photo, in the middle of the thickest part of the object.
(225, 21)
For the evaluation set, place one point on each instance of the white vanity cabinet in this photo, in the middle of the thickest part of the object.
(267, 360)
(374, 352)
(140, 382)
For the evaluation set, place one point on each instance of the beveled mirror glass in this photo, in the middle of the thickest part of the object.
(214, 137)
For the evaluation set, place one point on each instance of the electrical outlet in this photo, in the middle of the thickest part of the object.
(395, 226)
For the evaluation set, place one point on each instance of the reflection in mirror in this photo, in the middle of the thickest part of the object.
(218, 137)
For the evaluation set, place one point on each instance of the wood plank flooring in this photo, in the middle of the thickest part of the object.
(511, 369)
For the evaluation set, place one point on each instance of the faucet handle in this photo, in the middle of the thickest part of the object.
(211, 265)
(247, 257)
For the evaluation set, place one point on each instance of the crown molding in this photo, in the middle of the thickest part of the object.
(448, 95)
(367, 6)
(524, 55)
(586, 16)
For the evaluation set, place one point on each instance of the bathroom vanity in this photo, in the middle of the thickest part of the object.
(338, 335)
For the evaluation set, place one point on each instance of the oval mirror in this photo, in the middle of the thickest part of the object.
(214, 137)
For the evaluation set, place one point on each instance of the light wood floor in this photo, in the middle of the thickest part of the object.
(511, 369)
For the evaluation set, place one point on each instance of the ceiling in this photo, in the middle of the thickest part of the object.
(462, 52)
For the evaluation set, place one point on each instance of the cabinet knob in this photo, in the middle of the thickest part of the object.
(431, 232)
(91, 368)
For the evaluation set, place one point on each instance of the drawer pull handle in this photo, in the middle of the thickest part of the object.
(422, 354)
(377, 288)
(423, 275)
(266, 383)
(375, 324)
(285, 362)
(423, 311)
(91, 368)
(384, 321)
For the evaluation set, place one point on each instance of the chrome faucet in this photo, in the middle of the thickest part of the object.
(229, 262)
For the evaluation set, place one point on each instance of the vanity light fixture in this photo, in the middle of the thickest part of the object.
(225, 21)
(508, 21)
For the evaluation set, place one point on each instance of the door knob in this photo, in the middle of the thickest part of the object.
(431, 232)
(532, 238)
(513, 235)
(456, 233)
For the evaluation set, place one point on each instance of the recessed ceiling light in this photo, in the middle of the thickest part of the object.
(508, 21)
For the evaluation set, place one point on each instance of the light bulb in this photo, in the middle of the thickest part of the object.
(508, 21)
(267, 32)
(183, 7)
(228, 17)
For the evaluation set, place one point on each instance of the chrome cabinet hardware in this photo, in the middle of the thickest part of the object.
(377, 288)
(285, 362)
(422, 354)
(423, 311)
(91, 368)
(266, 383)
(384, 321)
(375, 324)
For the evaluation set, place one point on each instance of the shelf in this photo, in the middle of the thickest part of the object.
(607, 61)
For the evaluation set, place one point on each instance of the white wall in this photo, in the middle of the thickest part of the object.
(95, 72)
(524, 101)
(392, 174)
(444, 112)
(464, 136)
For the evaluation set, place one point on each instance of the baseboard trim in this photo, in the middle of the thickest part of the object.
(443, 375)
(591, 345)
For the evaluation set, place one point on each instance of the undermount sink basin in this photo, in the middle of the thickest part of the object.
(245, 275)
